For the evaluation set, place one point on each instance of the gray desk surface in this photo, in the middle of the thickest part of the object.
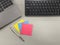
(46, 31)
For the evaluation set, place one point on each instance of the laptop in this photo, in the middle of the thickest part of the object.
(9, 12)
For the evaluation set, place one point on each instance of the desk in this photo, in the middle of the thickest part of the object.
(46, 31)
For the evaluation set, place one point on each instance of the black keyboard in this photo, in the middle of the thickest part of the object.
(5, 4)
(42, 7)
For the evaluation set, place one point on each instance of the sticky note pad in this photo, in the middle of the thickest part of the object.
(26, 22)
(16, 25)
(27, 29)
(21, 21)
(17, 28)
(20, 24)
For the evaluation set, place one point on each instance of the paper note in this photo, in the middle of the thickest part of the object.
(17, 28)
(21, 21)
(20, 24)
(26, 22)
(27, 29)
(16, 25)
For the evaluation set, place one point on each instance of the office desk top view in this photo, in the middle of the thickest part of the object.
(46, 31)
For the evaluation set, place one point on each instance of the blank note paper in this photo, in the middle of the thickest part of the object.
(20, 24)
(26, 22)
(21, 21)
(27, 29)
(16, 25)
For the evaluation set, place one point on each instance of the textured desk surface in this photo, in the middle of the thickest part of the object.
(46, 31)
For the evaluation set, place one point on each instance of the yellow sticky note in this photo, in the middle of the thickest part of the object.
(16, 25)
(21, 21)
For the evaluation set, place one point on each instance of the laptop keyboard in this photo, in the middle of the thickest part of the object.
(5, 4)
(42, 8)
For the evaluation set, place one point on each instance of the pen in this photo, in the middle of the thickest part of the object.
(17, 35)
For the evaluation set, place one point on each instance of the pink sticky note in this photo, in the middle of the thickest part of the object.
(27, 29)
